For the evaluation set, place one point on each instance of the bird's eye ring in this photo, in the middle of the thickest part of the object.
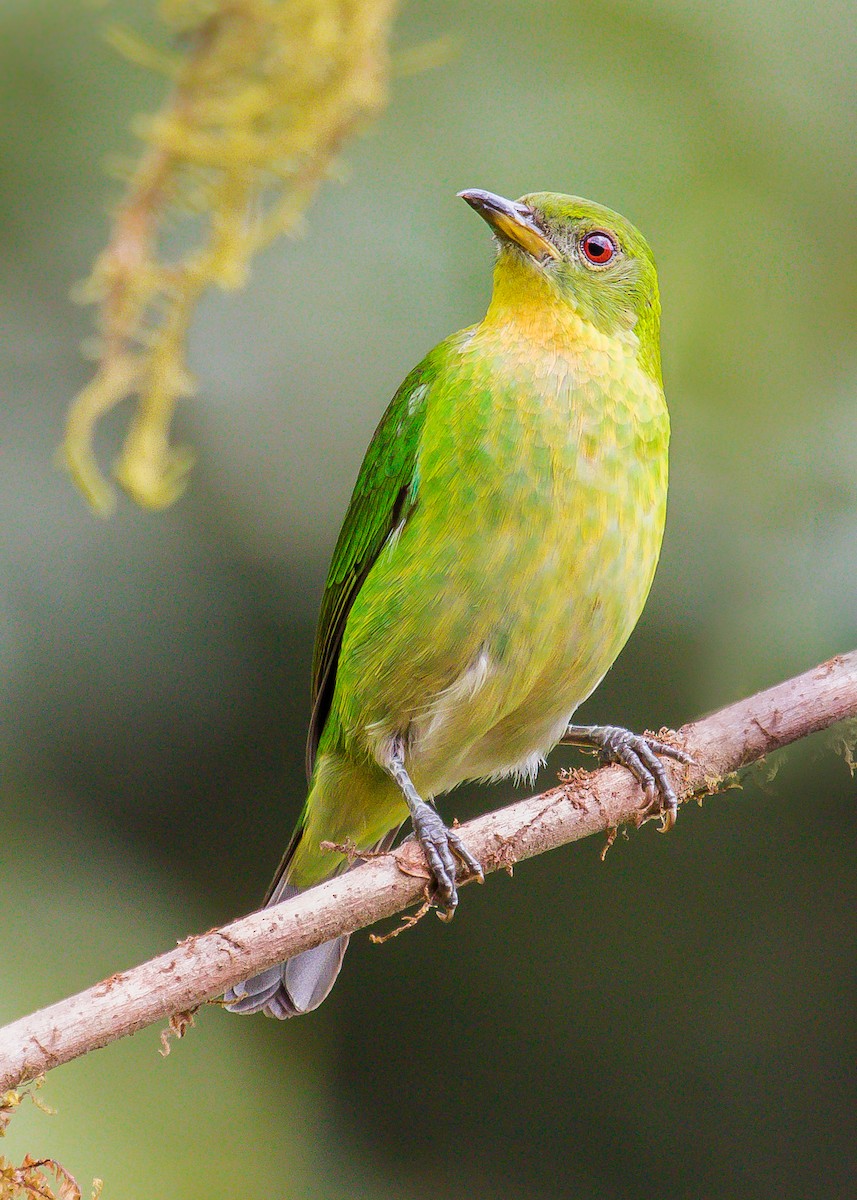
(598, 248)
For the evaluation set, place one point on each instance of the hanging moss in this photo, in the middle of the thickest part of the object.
(263, 95)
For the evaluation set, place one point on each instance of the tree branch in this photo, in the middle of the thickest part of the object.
(202, 967)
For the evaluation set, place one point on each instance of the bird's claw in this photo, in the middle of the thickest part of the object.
(441, 847)
(640, 755)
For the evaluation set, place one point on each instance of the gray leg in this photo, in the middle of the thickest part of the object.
(441, 846)
(639, 755)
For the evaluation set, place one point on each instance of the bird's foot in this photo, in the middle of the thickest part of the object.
(639, 755)
(442, 846)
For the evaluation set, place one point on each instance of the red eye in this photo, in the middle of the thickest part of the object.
(598, 248)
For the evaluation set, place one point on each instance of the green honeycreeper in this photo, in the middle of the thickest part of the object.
(496, 554)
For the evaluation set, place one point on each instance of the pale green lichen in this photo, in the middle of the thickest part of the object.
(263, 96)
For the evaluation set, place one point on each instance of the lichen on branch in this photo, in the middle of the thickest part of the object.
(263, 94)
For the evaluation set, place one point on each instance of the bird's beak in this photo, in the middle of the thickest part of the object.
(511, 221)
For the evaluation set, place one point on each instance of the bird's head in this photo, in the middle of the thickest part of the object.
(560, 254)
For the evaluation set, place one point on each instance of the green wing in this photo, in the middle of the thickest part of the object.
(384, 495)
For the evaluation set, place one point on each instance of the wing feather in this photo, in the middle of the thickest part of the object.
(384, 496)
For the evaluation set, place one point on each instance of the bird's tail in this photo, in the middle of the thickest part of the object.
(299, 985)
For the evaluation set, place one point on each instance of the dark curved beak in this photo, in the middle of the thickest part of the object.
(511, 221)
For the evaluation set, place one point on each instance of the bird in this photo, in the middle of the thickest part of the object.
(497, 552)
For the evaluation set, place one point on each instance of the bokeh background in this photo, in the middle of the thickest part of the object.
(677, 1022)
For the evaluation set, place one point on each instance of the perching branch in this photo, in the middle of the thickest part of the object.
(202, 967)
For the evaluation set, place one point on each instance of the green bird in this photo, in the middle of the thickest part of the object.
(496, 554)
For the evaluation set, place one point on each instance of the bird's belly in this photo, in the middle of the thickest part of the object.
(543, 648)
(478, 646)
(518, 576)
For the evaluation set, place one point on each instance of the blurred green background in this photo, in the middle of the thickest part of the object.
(675, 1023)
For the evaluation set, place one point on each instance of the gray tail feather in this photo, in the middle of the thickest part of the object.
(290, 988)
(300, 984)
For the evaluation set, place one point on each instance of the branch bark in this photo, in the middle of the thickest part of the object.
(202, 967)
